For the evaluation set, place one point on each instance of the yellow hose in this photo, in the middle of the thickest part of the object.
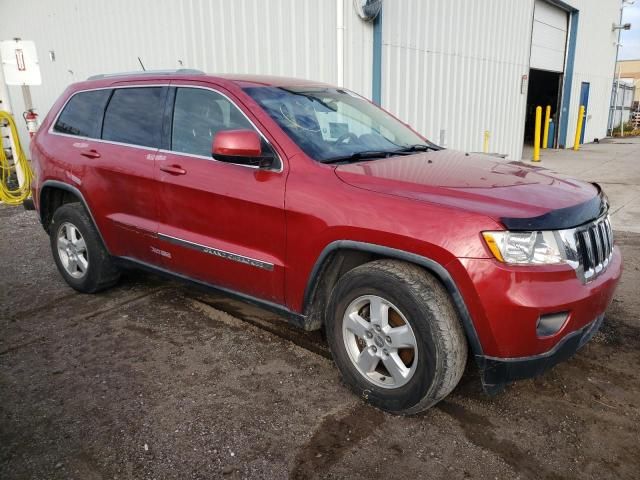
(19, 195)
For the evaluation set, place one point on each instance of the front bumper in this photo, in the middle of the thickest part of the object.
(497, 372)
(505, 304)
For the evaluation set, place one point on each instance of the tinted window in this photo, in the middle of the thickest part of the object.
(198, 115)
(134, 115)
(83, 114)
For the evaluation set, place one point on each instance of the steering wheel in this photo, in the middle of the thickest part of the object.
(352, 137)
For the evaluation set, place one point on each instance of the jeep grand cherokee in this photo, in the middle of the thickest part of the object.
(309, 200)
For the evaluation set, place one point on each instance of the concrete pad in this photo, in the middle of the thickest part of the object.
(626, 218)
(612, 163)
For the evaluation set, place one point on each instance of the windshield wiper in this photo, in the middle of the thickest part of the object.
(364, 155)
(371, 154)
(418, 147)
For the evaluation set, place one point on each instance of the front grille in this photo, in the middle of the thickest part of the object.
(595, 246)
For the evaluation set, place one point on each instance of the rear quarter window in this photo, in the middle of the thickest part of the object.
(82, 115)
(134, 116)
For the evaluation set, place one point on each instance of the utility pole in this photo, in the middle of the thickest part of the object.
(616, 70)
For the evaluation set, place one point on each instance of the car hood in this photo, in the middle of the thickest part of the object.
(478, 183)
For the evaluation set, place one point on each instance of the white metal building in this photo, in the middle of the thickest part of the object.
(451, 68)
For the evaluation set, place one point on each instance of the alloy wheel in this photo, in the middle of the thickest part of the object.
(380, 341)
(72, 250)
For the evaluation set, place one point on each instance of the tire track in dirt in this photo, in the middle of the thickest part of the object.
(335, 436)
(310, 341)
(480, 431)
(131, 300)
(42, 308)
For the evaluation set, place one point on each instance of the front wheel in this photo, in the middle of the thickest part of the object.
(395, 336)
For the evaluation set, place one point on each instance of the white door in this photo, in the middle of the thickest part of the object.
(549, 38)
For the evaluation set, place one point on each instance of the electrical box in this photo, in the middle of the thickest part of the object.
(20, 62)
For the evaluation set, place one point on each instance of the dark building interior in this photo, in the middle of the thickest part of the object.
(544, 89)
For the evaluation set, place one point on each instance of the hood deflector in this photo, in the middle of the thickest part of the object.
(562, 218)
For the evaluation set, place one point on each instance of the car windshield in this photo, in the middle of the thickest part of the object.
(333, 124)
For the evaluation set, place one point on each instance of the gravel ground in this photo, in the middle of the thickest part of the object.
(153, 379)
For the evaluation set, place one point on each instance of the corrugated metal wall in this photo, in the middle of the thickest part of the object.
(451, 65)
(294, 38)
(358, 58)
(456, 65)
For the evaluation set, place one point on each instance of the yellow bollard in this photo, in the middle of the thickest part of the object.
(576, 143)
(547, 119)
(485, 147)
(536, 138)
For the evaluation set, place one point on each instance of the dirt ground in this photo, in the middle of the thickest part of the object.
(152, 379)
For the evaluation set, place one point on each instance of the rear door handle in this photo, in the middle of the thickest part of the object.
(173, 169)
(90, 153)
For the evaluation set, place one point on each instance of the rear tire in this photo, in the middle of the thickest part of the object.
(421, 341)
(77, 249)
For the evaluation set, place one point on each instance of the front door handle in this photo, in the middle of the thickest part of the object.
(173, 169)
(90, 153)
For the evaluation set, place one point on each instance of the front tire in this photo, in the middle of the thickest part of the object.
(395, 336)
(77, 249)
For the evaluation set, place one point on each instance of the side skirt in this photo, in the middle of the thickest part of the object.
(296, 319)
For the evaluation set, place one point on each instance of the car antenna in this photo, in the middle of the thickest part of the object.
(142, 65)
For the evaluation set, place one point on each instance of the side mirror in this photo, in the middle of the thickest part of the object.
(240, 146)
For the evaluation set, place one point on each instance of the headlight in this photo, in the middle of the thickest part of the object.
(525, 248)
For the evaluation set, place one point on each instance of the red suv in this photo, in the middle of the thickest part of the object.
(310, 200)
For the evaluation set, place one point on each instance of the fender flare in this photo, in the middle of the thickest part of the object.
(432, 266)
(77, 193)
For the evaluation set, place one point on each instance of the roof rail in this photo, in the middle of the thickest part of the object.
(185, 71)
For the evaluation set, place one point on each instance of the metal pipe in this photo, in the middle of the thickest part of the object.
(547, 119)
(376, 87)
(340, 42)
(624, 98)
(567, 89)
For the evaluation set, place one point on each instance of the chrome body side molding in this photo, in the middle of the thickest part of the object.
(254, 262)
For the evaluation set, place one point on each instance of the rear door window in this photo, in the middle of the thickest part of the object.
(83, 114)
(134, 116)
(198, 115)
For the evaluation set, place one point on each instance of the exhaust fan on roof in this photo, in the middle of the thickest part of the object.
(367, 9)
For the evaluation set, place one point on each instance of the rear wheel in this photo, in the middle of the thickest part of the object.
(395, 336)
(78, 251)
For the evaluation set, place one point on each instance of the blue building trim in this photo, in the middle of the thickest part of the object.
(376, 87)
(568, 80)
(562, 5)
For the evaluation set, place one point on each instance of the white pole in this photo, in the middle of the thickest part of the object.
(6, 106)
(340, 42)
(624, 95)
(615, 66)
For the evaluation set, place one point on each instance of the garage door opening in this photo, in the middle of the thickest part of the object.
(547, 64)
(544, 89)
